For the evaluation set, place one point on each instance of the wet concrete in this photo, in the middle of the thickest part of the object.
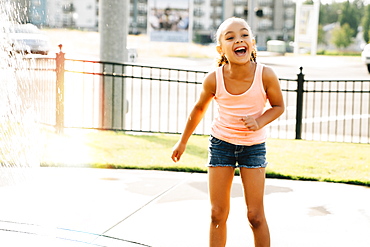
(101, 207)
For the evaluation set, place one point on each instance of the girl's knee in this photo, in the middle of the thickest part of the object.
(256, 218)
(219, 215)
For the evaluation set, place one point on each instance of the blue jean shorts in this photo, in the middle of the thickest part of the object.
(224, 154)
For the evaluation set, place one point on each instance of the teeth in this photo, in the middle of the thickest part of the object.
(240, 48)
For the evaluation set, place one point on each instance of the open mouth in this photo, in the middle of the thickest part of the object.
(240, 51)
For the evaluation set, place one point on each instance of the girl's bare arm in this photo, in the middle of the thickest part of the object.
(196, 115)
(275, 97)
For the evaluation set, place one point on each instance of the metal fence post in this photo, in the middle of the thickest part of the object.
(59, 114)
(299, 108)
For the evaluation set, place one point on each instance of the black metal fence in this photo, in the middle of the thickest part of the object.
(325, 110)
(138, 98)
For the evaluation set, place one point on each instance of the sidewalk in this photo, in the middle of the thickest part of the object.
(73, 206)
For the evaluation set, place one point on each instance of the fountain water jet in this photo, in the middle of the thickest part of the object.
(19, 132)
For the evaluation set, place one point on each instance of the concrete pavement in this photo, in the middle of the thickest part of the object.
(101, 207)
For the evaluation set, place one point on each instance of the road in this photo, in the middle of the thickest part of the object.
(167, 54)
(319, 67)
(287, 67)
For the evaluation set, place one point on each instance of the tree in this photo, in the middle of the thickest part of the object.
(366, 24)
(351, 13)
(329, 13)
(342, 36)
(321, 36)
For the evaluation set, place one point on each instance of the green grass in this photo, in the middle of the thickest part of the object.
(290, 159)
(339, 53)
(322, 161)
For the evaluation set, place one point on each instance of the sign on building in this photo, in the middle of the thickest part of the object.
(306, 26)
(168, 20)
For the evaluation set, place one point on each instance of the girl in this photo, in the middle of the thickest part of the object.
(241, 88)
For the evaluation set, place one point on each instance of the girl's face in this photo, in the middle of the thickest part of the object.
(236, 42)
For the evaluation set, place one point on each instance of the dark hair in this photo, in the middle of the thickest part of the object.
(223, 60)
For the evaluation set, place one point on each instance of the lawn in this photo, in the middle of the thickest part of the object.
(292, 159)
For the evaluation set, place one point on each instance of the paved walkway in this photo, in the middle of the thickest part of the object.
(98, 207)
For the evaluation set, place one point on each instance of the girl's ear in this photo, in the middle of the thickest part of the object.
(219, 49)
(254, 44)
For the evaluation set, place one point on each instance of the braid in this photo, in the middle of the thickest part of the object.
(222, 60)
(254, 56)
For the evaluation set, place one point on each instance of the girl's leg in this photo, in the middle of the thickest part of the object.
(253, 180)
(219, 183)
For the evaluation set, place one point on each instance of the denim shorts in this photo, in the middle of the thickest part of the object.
(223, 154)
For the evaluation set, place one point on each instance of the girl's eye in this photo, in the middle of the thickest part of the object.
(229, 38)
(245, 35)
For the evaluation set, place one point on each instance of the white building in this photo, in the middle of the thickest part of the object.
(72, 13)
(276, 22)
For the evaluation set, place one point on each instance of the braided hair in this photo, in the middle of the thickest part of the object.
(223, 60)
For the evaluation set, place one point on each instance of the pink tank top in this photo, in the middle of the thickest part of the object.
(231, 108)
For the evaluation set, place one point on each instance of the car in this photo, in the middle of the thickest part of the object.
(365, 55)
(28, 38)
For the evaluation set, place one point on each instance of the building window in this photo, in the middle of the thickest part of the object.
(289, 13)
(265, 2)
(289, 24)
(198, 12)
(241, 2)
(239, 11)
(265, 24)
(267, 12)
(288, 2)
(142, 8)
(141, 20)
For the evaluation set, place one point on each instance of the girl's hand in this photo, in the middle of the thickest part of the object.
(250, 123)
(177, 151)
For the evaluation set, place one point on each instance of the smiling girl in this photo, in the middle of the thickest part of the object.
(241, 87)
